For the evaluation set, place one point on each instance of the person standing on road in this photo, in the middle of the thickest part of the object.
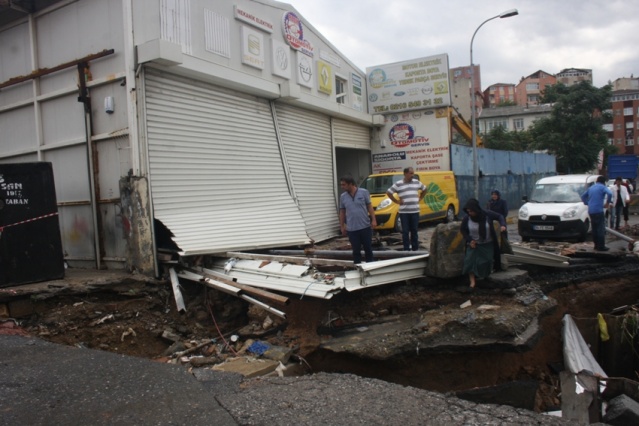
(497, 204)
(597, 198)
(482, 245)
(611, 207)
(357, 218)
(620, 200)
(407, 190)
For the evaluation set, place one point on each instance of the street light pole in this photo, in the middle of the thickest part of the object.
(473, 112)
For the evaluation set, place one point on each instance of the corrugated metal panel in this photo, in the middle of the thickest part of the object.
(351, 135)
(216, 174)
(306, 137)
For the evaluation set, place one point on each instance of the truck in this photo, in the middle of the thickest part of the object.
(623, 166)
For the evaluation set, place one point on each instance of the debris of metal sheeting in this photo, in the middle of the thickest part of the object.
(273, 273)
(536, 257)
(633, 245)
(340, 254)
(230, 290)
(177, 294)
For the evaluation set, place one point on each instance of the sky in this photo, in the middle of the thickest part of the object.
(547, 35)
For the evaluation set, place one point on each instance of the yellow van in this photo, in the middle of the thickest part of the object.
(440, 202)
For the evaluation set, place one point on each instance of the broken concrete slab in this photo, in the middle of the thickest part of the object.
(510, 328)
(512, 278)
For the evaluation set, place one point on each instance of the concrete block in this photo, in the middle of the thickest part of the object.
(622, 410)
(248, 367)
(20, 308)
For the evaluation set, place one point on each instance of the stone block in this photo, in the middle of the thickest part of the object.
(447, 249)
(622, 410)
(278, 353)
(248, 367)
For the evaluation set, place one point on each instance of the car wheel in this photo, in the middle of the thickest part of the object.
(584, 233)
(398, 224)
(450, 214)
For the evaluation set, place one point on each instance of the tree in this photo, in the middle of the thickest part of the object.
(506, 103)
(502, 139)
(574, 130)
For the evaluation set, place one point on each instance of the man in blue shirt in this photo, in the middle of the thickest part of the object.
(357, 218)
(597, 198)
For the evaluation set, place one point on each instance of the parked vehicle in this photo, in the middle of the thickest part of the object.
(624, 166)
(440, 202)
(555, 209)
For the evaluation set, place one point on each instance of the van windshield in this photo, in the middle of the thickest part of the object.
(379, 184)
(558, 193)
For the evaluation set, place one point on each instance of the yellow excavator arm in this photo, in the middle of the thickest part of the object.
(462, 126)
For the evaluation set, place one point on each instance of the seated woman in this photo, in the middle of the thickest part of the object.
(482, 245)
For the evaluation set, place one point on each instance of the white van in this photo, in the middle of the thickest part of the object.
(555, 210)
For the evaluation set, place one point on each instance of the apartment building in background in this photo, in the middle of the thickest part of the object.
(623, 132)
(460, 81)
(511, 118)
(570, 76)
(529, 89)
(498, 93)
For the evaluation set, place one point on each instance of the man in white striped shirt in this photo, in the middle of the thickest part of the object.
(409, 198)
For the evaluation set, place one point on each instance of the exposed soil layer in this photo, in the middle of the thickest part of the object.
(139, 320)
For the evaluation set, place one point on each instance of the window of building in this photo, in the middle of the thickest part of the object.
(618, 126)
(630, 125)
(607, 127)
(340, 90)
(630, 142)
(497, 123)
(627, 111)
(532, 86)
(533, 99)
(611, 141)
(518, 123)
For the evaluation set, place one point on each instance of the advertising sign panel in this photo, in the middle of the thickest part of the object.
(417, 139)
(409, 85)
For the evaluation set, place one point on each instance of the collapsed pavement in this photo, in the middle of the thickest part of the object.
(428, 317)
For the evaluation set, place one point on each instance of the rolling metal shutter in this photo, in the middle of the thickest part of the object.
(306, 138)
(351, 135)
(216, 174)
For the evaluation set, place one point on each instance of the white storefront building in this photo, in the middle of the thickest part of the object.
(202, 126)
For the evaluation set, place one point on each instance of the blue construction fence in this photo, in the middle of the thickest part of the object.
(513, 173)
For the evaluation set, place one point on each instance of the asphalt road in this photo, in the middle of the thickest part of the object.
(42, 383)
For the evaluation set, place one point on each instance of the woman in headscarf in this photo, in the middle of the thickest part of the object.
(482, 245)
(497, 204)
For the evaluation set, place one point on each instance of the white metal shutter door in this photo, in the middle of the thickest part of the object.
(306, 137)
(351, 135)
(216, 174)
